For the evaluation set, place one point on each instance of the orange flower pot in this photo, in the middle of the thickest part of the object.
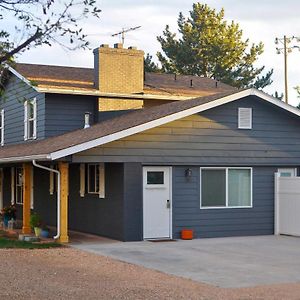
(187, 234)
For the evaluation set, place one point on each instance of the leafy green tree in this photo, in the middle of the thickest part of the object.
(210, 46)
(150, 65)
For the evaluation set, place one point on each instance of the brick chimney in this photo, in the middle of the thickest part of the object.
(119, 70)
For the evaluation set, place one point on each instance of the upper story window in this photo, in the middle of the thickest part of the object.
(245, 118)
(30, 119)
(2, 127)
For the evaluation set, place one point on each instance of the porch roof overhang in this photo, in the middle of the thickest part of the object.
(61, 146)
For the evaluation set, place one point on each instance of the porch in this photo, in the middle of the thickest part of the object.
(101, 211)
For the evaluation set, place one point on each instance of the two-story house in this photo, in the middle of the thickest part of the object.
(131, 155)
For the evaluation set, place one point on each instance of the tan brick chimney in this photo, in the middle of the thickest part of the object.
(119, 70)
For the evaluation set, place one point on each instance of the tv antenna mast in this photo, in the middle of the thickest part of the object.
(123, 31)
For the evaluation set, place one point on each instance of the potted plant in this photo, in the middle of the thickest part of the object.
(35, 223)
(45, 231)
(8, 213)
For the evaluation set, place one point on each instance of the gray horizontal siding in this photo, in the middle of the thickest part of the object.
(223, 222)
(66, 113)
(212, 137)
(16, 92)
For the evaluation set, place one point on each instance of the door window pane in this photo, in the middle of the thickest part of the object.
(213, 188)
(239, 187)
(155, 177)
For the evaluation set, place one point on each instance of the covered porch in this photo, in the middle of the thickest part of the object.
(94, 197)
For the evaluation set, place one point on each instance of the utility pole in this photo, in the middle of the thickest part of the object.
(123, 31)
(285, 41)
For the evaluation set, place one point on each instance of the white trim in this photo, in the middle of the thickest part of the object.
(53, 90)
(2, 127)
(51, 181)
(25, 158)
(31, 188)
(276, 204)
(21, 186)
(82, 180)
(12, 185)
(226, 185)
(22, 78)
(101, 180)
(173, 117)
(27, 120)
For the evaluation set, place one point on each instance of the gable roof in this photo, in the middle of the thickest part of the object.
(61, 77)
(125, 125)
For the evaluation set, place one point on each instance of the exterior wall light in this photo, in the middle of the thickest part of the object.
(188, 173)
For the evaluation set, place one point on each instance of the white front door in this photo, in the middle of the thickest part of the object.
(157, 202)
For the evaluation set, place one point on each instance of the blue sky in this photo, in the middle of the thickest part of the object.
(260, 20)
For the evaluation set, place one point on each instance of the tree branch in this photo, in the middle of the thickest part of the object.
(11, 53)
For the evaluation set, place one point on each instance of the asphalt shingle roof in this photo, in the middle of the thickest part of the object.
(83, 78)
(104, 128)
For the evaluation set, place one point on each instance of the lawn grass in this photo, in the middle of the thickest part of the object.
(9, 242)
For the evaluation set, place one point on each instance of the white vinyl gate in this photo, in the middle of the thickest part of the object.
(287, 205)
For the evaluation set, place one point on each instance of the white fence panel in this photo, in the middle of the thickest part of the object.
(287, 205)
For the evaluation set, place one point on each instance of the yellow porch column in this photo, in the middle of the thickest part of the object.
(64, 195)
(26, 197)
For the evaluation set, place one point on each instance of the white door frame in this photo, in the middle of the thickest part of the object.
(170, 198)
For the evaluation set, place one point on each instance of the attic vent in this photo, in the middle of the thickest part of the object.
(245, 118)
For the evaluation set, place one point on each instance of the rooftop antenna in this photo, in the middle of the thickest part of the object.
(123, 31)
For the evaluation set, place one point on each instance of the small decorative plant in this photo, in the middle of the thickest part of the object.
(35, 220)
(9, 212)
(36, 223)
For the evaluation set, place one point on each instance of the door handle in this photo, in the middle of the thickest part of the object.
(168, 203)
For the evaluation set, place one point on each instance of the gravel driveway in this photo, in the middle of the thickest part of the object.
(72, 274)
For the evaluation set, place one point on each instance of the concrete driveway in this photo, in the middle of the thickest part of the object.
(224, 262)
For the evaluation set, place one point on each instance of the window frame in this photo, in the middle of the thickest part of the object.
(17, 201)
(2, 127)
(226, 182)
(97, 167)
(28, 120)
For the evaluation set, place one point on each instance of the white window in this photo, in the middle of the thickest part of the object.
(245, 118)
(287, 172)
(96, 179)
(225, 187)
(19, 185)
(2, 127)
(30, 119)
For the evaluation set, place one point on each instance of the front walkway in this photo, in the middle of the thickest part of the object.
(224, 262)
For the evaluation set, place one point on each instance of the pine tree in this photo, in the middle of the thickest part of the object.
(210, 46)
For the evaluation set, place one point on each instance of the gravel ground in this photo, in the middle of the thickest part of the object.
(67, 273)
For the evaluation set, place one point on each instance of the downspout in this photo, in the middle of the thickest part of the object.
(58, 194)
